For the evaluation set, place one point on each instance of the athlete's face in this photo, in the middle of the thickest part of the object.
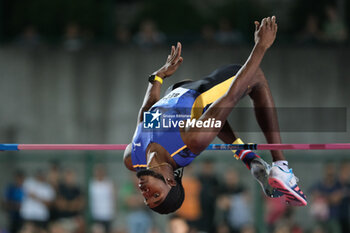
(153, 188)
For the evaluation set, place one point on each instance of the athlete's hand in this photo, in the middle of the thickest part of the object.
(265, 32)
(173, 62)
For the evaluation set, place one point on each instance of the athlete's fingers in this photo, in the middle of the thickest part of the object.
(172, 50)
(268, 22)
(274, 24)
(275, 28)
(263, 22)
(179, 61)
(177, 53)
(173, 54)
(179, 49)
(271, 24)
(257, 24)
(273, 19)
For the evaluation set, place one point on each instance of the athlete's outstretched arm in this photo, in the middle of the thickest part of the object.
(152, 95)
(197, 139)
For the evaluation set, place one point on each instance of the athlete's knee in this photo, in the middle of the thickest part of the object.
(231, 98)
(193, 142)
(260, 74)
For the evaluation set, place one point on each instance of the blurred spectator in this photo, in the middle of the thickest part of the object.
(234, 207)
(98, 228)
(287, 226)
(29, 227)
(226, 35)
(208, 35)
(138, 215)
(87, 37)
(122, 35)
(334, 28)
(318, 229)
(240, 214)
(72, 37)
(69, 203)
(56, 227)
(222, 228)
(344, 178)
(287, 220)
(53, 178)
(311, 33)
(102, 198)
(148, 35)
(178, 225)
(38, 197)
(248, 229)
(191, 209)
(14, 195)
(54, 173)
(29, 38)
(208, 194)
(326, 200)
(283, 227)
(276, 209)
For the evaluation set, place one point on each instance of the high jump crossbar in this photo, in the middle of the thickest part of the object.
(328, 146)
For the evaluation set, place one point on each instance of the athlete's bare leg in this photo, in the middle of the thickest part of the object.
(226, 134)
(265, 112)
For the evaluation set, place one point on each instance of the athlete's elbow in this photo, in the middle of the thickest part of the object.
(195, 144)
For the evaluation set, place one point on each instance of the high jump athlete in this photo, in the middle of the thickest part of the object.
(195, 112)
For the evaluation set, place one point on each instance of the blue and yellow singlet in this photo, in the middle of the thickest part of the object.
(183, 103)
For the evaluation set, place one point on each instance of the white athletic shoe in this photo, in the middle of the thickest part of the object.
(286, 183)
(260, 171)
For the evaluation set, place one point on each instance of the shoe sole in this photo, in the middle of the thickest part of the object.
(258, 171)
(292, 197)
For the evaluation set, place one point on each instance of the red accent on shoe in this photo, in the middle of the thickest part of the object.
(292, 197)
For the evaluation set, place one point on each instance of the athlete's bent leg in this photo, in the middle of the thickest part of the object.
(265, 113)
(281, 177)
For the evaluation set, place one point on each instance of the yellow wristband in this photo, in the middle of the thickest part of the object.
(159, 79)
(237, 141)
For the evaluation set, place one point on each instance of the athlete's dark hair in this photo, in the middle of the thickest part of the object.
(175, 197)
